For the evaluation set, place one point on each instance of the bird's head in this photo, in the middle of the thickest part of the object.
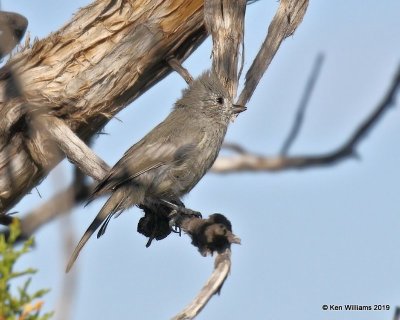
(207, 97)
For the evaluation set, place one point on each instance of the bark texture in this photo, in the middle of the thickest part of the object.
(103, 59)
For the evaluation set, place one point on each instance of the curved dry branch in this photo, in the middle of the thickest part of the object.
(213, 285)
(254, 162)
(209, 235)
(299, 118)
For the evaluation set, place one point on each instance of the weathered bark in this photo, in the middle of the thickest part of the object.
(225, 22)
(103, 59)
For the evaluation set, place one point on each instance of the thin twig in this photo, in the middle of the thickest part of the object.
(182, 71)
(70, 282)
(69, 285)
(299, 118)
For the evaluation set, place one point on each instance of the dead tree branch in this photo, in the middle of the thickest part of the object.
(210, 235)
(74, 148)
(299, 117)
(222, 267)
(177, 66)
(225, 21)
(289, 15)
(104, 58)
(67, 234)
(247, 161)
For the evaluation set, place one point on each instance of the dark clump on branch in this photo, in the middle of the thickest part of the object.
(210, 235)
(154, 224)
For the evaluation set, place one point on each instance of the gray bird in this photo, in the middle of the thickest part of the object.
(12, 29)
(171, 159)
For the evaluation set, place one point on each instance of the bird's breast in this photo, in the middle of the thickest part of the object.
(196, 163)
(191, 160)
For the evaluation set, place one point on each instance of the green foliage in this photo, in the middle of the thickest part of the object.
(23, 305)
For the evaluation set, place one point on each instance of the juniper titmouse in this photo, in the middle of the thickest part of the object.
(171, 159)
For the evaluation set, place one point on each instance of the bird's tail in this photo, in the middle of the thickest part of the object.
(117, 202)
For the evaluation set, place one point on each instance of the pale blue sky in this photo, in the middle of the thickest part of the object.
(310, 237)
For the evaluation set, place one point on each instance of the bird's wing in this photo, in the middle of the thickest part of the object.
(136, 161)
(132, 165)
(144, 157)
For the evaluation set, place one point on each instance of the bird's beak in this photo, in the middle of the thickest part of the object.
(237, 108)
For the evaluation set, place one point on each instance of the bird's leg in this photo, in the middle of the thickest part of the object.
(180, 209)
(173, 217)
(178, 213)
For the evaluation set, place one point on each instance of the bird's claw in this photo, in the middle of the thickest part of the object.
(190, 213)
(178, 214)
(173, 218)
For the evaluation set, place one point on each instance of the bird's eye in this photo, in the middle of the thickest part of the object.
(220, 100)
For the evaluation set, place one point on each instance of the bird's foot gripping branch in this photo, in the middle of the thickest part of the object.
(210, 235)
